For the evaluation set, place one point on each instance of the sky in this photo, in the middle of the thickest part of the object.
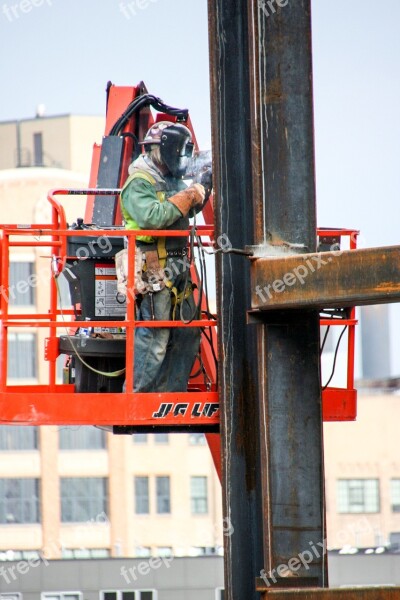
(61, 53)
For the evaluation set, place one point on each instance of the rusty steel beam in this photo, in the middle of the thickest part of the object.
(239, 425)
(326, 279)
(282, 147)
(372, 593)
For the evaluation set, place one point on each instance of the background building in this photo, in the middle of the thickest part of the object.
(83, 493)
(62, 141)
(80, 492)
(362, 474)
(165, 579)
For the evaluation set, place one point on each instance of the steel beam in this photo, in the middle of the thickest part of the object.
(372, 593)
(282, 148)
(241, 471)
(327, 279)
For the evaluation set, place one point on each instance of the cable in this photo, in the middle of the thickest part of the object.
(324, 340)
(142, 102)
(112, 374)
(334, 358)
(208, 335)
(228, 251)
(136, 146)
(207, 332)
(197, 307)
(203, 289)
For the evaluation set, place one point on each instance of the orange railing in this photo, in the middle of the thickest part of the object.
(55, 403)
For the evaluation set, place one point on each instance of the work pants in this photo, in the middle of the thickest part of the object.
(164, 357)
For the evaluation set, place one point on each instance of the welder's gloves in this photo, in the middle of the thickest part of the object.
(192, 197)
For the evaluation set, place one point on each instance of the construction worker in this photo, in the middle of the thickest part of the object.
(155, 197)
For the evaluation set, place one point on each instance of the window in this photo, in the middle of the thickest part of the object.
(219, 594)
(139, 438)
(142, 551)
(22, 355)
(19, 555)
(82, 438)
(358, 495)
(197, 439)
(394, 540)
(15, 437)
(61, 596)
(163, 551)
(161, 438)
(395, 495)
(85, 553)
(11, 596)
(142, 495)
(38, 149)
(82, 498)
(163, 495)
(22, 284)
(129, 595)
(198, 495)
(201, 551)
(19, 501)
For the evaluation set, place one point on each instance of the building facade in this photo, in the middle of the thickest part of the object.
(170, 578)
(60, 142)
(362, 465)
(81, 492)
(84, 493)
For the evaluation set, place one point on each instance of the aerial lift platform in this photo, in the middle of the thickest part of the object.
(262, 408)
(78, 251)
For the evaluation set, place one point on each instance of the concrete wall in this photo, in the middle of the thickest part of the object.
(177, 579)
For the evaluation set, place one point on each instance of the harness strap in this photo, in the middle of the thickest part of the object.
(161, 241)
(178, 298)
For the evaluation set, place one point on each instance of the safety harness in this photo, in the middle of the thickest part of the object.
(162, 253)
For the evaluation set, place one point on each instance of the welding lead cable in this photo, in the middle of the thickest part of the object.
(208, 334)
(111, 374)
(324, 340)
(334, 358)
(142, 102)
(197, 307)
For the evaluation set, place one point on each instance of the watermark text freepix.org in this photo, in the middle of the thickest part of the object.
(303, 559)
(144, 567)
(22, 286)
(268, 7)
(22, 567)
(130, 9)
(298, 275)
(18, 9)
(316, 551)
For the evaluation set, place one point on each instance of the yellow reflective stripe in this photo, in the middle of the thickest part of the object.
(161, 241)
(139, 175)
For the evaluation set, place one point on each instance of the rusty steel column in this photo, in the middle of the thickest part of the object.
(241, 470)
(284, 200)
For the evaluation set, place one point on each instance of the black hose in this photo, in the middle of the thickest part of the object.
(142, 102)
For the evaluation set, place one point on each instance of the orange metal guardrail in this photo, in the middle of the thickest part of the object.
(58, 404)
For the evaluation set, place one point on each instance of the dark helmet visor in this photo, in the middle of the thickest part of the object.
(176, 148)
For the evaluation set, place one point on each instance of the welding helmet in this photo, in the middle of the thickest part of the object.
(176, 146)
